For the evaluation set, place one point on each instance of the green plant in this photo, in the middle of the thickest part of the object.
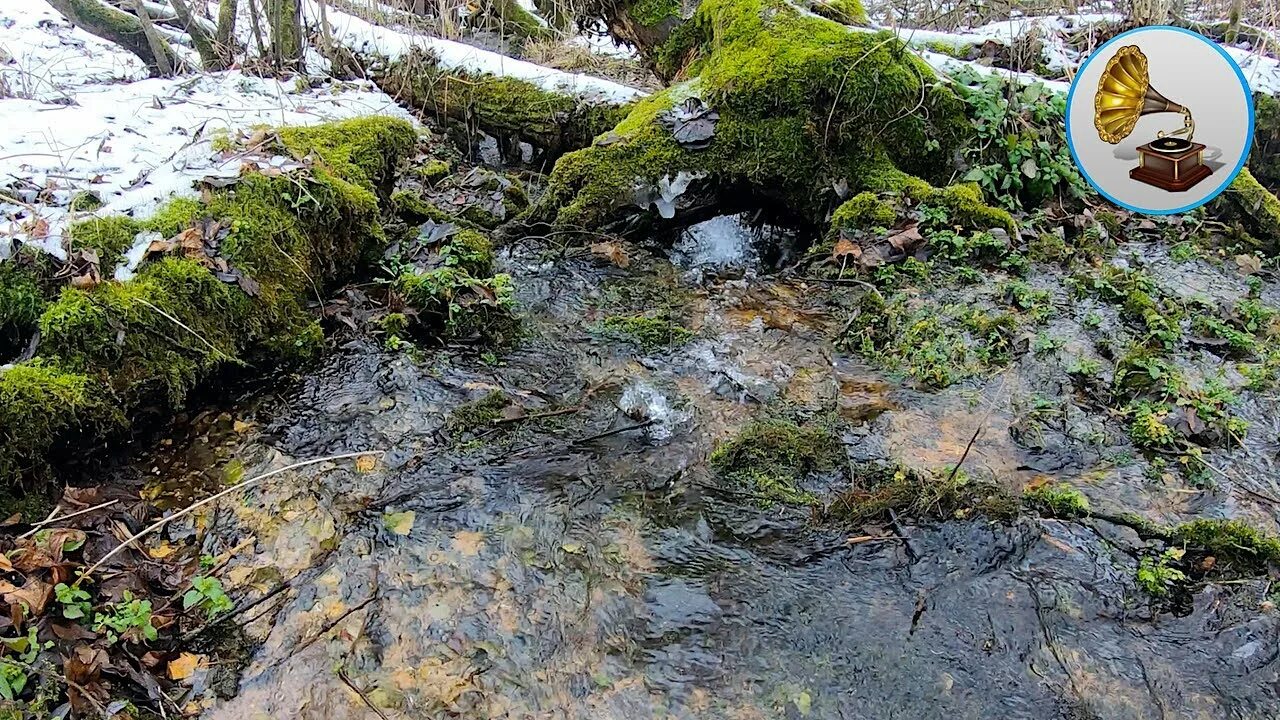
(1021, 152)
(1184, 252)
(75, 601)
(15, 669)
(1155, 574)
(130, 620)
(1084, 367)
(207, 593)
(1046, 344)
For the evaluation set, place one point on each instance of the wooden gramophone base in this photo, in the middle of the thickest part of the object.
(1186, 182)
(1172, 171)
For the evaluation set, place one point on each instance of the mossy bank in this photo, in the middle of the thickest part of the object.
(232, 293)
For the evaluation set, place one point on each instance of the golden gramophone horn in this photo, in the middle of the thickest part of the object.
(1125, 94)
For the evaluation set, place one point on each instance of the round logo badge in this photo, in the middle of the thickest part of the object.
(1160, 120)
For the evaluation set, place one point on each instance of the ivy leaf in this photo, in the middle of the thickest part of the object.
(400, 523)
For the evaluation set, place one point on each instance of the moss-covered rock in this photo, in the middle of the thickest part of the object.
(772, 457)
(23, 296)
(141, 346)
(451, 303)
(803, 104)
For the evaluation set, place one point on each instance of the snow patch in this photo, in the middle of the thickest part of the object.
(365, 38)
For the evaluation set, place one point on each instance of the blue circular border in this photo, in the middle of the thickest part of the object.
(1248, 94)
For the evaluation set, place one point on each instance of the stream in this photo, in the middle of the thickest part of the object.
(588, 564)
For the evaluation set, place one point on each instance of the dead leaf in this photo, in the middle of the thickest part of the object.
(366, 463)
(907, 239)
(34, 595)
(249, 285)
(191, 240)
(1249, 264)
(613, 252)
(84, 282)
(72, 632)
(400, 523)
(39, 229)
(184, 666)
(846, 247)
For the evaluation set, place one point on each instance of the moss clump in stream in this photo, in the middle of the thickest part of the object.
(142, 345)
(1057, 500)
(450, 302)
(803, 103)
(478, 414)
(772, 457)
(878, 491)
(650, 333)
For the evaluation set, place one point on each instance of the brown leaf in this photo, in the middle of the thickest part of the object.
(159, 246)
(72, 632)
(613, 252)
(84, 282)
(39, 229)
(514, 411)
(83, 670)
(184, 666)
(34, 595)
(249, 285)
(846, 247)
(191, 240)
(1249, 264)
(907, 239)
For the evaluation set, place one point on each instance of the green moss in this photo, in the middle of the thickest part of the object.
(846, 12)
(21, 301)
(1243, 546)
(803, 103)
(478, 414)
(118, 332)
(862, 212)
(1257, 208)
(650, 333)
(110, 237)
(1057, 500)
(435, 170)
(937, 345)
(40, 405)
(1264, 159)
(364, 151)
(85, 201)
(772, 457)
(470, 251)
(452, 303)
(653, 12)
(500, 105)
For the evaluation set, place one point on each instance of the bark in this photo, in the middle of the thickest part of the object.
(117, 27)
(226, 33)
(510, 20)
(285, 18)
(255, 20)
(210, 57)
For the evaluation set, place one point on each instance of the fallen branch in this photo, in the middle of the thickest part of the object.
(55, 518)
(211, 499)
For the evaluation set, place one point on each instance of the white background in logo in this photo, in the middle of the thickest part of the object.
(1188, 70)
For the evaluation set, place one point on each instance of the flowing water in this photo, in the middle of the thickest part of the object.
(588, 564)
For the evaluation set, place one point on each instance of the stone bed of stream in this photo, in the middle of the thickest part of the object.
(590, 565)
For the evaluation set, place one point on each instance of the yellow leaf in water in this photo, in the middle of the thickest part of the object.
(366, 463)
(468, 542)
(184, 666)
(804, 702)
(241, 427)
(399, 523)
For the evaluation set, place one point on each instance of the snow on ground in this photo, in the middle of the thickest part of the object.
(368, 39)
(135, 144)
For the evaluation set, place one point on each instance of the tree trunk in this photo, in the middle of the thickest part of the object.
(210, 57)
(1233, 22)
(255, 15)
(120, 28)
(159, 48)
(226, 35)
(285, 17)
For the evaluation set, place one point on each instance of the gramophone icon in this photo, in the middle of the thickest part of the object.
(1124, 95)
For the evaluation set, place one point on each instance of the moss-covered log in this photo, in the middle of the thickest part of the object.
(116, 352)
(1255, 208)
(780, 105)
(120, 28)
(510, 109)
